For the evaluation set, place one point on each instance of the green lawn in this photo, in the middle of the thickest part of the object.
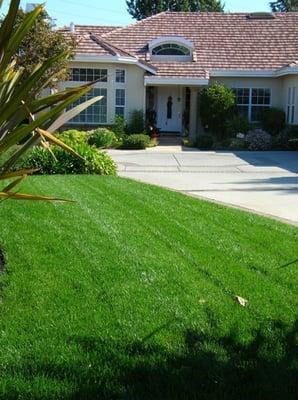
(129, 294)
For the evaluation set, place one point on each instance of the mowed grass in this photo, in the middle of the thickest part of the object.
(128, 293)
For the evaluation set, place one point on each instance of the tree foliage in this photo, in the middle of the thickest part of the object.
(284, 5)
(140, 9)
(39, 44)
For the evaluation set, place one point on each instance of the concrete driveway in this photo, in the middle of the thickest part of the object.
(264, 182)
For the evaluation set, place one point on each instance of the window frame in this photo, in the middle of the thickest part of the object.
(89, 74)
(168, 46)
(291, 105)
(250, 105)
(120, 106)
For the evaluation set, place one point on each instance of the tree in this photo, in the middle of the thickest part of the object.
(39, 44)
(284, 5)
(140, 9)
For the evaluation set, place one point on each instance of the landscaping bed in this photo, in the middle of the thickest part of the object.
(130, 293)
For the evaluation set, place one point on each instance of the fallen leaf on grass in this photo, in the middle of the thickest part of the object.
(240, 300)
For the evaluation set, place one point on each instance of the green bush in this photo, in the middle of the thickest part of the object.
(272, 120)
(238, 144)
(136, 141)
(204, 142)
(120, 126)
(282, 141)
(293, 144)
(73, 137)
(237, 124)
(258, 140)
(217, 105)
(136, 122)
(92, 161)
(102, 138)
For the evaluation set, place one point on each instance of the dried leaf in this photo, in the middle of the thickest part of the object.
(240, 300)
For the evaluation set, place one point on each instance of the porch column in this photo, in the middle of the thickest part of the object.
(194, 94)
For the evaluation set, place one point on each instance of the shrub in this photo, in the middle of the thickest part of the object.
(136, 141)
(272, 120)
(102, 138)
(73, 137)
(120, 126)
(217, 105)
(238, 144)
(204, 142)
(237, 124)
(136, 122)
(92, 161)
(282, 140)
(293, 144)
(258, 140)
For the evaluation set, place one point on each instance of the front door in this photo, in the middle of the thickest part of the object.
(169, 118)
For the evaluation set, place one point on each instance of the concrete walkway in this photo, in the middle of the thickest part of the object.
(264, 182)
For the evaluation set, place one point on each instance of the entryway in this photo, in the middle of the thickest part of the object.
(169, 110)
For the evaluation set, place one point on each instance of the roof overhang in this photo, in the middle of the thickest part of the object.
(112, 59)
(162, 81)
(254, 73)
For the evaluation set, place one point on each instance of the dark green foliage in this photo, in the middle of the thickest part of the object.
(128, 294)
(293, 144)
(136, 122)
(103, 138)
(238, 144)
(140, 9)
(217, 106)
(204, 142)
(272, 120)
(284, 5)
(282, 140)
(237, 124)
(91, 162)
(41, 43)
(120, 126)
(73, 137)
(137, 141)
(258, 140)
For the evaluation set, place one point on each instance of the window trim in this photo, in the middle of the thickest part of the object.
(250, 105)
(291, 105)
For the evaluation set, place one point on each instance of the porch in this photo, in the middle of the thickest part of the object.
(174, 109)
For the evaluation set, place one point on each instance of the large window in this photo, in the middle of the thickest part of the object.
(170, 49)
(88, 75)
(291, 99)
(252, 101)
(120, 102)
(95, 114)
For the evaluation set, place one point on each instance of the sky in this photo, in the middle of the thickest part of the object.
(113, 12)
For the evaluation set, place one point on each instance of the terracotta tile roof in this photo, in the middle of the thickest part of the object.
(221, 41)
(87, 37)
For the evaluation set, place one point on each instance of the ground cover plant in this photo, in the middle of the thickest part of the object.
(129, 293)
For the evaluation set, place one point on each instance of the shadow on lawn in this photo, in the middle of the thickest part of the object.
(207, 368)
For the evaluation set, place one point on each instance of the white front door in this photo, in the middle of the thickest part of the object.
(169, 110)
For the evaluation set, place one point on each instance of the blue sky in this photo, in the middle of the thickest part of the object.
(113, 12)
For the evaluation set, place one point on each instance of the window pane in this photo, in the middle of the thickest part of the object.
(120, 75)
(171, 49)
(96, 113)
(120, 97)
(119, 111)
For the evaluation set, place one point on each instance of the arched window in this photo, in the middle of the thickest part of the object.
(170, 49)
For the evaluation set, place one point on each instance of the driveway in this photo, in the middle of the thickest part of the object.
(264, 182)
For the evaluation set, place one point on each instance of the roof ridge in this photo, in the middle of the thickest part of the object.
(135, 23)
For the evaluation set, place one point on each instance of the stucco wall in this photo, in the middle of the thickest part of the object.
(134, 86)
(276, 86)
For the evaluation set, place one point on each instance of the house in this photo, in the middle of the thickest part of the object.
(161, 64)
